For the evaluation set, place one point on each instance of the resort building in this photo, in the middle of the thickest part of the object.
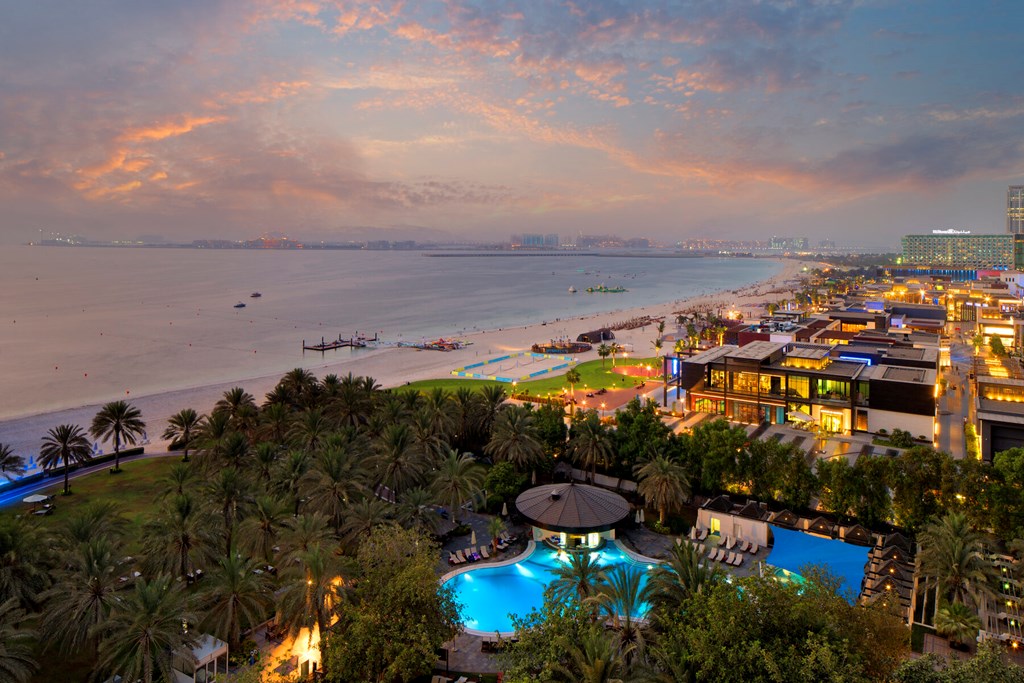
(841, 388)
(572, 516)
(961, 250)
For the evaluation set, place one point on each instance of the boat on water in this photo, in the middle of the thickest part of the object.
(239, 305)
(255, 295)
(572, 290)
(603, 289)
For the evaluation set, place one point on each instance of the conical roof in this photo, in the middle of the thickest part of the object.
(572, 508)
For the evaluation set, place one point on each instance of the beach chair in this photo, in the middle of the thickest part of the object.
(460, 556)
(744, 546)
(483, 552)
(702, 535)
(730, 542)
(721, 540)
(440, 679)
(754, 548)
(462, 679)
(738, 561)
(693, 533)
(453, 560)
(729, 557)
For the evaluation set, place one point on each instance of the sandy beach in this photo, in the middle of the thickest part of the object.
(395, 366)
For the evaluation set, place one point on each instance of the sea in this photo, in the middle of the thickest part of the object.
(84, 325)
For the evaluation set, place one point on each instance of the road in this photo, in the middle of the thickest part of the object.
(954, 406)
(8, 498)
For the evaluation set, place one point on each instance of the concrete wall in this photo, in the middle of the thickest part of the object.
(917, 425)
(730, 525)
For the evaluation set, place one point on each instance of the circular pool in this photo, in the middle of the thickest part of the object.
(489, 594)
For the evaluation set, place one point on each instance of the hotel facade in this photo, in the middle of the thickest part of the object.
(841, 388)
(959, 249)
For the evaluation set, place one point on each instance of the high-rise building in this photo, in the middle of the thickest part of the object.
(960, 249)
(1015, 209)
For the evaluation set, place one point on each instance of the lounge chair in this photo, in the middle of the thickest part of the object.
(722, 539)
(730, 542)
(453, 560)
(738, 561)
(744, 546)
(693, 533)
(716, 554)
(483, 552)
(702, 535)
(440, 679)
(462, 558)
(729, 557)
(754, 548)
(461, 679)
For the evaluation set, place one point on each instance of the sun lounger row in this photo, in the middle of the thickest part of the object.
(734, 559)
(445, 679)
(478, 552)
(696, 535)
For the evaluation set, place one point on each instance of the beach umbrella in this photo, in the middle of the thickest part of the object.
(643, 517)
(472, 538)
(636, 517)
(533, 480)
(504, 509)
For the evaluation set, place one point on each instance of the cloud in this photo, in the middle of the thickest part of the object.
(169, 128)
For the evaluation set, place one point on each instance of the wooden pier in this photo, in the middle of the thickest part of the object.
(339, 343)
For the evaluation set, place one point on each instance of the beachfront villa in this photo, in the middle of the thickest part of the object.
(571, 516)
(841, 388)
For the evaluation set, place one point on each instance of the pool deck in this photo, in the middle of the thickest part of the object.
(464, 651)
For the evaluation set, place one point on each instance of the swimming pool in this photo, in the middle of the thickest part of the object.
(794, 549)
(488, 594)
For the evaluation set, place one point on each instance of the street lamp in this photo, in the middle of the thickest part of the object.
(602, 409)
(514, 388)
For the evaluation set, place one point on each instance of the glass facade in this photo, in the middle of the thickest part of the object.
(960, 251)
(799, 386)
(1015, 209)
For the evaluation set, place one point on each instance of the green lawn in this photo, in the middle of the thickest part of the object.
(136, 491)
(594, 374)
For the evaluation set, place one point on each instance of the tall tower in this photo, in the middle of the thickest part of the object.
(1015, 209)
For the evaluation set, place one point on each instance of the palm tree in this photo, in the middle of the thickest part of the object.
(120, 421)
(179, 539)
(11, 465)
(594, 658)
(952, 559)
(458, 478)
(178, 478)
(662, 483)
(362, 517)
(590, 444)
(578, 580)
(958, 622)
(228, 491)
(415, 510)
(144, 631)
(233, 401)
(65, 443)
(514, 438)
(17, 644)
(265, 455)
(97, 519)
(572, 378)
(682, 577)
(622, 600)
(276, 419)
(84, 595)
(235, 596)
(354, 402)
(395, 463)
(335, 479)
(311, 428)
(603, 351)
(260, 532)
(23, 562)
(303, 533)
(312, 591)
(289, 477)
(495, 527)
(210, 437)
(491, 400)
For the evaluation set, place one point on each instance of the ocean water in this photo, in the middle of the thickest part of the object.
(86, 325)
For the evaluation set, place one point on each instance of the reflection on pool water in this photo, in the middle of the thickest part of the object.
(489, 594)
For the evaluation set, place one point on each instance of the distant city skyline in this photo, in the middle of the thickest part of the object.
(853, 123)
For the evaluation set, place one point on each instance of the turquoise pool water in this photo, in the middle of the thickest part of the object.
(489, 594)
(794, 549)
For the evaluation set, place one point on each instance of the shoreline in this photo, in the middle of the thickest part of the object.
(394, 366)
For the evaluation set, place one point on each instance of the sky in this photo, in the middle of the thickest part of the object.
(326, 119)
